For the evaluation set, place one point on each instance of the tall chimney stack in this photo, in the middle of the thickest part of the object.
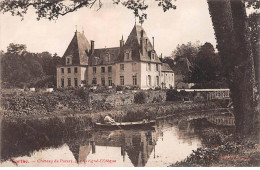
(153, 43)
(122, 42)
(92, 46)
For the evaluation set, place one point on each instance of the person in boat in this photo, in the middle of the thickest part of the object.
(146, 118)
(109, 120)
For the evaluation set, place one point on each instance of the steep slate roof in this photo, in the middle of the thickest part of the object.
(77, 49)
(134, 43)
(166, 68)
(99, 56)
(183, 66)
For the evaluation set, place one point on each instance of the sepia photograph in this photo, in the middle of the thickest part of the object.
(129, 83)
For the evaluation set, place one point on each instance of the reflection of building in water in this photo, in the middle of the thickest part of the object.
(81, 152)
(138, 145)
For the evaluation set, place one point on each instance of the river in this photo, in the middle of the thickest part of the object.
(171, 140)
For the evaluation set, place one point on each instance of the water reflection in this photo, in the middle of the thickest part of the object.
(172, 140)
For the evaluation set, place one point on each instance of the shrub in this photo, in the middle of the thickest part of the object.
(172, 95)
(81, 93)
(119, 88)
(158, 88)
(140, 98)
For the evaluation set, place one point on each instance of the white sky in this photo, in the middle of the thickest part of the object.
(189, 22)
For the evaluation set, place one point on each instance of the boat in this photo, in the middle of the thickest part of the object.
(127, 125)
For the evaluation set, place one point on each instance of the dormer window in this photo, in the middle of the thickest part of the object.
(68, 60)
(107, 58)
(128, 55)
(153, 55)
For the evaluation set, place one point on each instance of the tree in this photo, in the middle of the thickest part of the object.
(207, 65)
(52, 9)
(230, 25)
(254, 30)
(189, 51)
(20, 68)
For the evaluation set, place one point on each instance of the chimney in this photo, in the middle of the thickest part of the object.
(142, 33)
(122, 42)
(161, 59)
(153, 43)
(92, 46)
(146, 44)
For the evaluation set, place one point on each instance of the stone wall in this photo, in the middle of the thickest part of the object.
(127, 98)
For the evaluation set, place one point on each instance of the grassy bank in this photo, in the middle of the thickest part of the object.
(133, 112)
(222, 150)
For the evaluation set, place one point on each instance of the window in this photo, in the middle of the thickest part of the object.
(76, 82)
(62, 82)
(69, 82)
(110, 83)
(103, 70)
(103, 81)
(94, 70)
(94, 81)
(75, 69)
(122, 80)
(122, 67)
(68, 60)
(69, 71)
(109, 69)
(153, 56)
(149, 66)
(157, 80)
(149, 80)
(107, 58)
(157, 67)
(127, 55)
(62, 70)
(134, 80)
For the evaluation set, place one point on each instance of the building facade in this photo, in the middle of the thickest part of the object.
(134, 63)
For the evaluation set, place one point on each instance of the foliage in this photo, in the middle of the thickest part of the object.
(173, 95)
(230, 23)
(21, 68)
(119, 88)
(140, 98)
(254, 28)
(52, 9)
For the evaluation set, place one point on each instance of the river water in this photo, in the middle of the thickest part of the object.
(171, 140)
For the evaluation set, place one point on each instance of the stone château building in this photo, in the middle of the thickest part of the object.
(134, 63)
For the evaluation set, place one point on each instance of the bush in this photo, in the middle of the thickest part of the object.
(119, 88)
(81, 93)
(172, 95)
(158, 88)
(140, 98)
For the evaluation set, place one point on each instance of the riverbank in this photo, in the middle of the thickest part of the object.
(222, 150)
(132, 112)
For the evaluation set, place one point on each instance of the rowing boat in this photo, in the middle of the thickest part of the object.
(126, 125)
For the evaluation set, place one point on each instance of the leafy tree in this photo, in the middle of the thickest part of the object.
(231, 29)
(20, 68)
(207, 65)
(52, 9)
(254, 30)
(189, 51)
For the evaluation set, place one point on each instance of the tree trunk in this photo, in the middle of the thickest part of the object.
(231, 30)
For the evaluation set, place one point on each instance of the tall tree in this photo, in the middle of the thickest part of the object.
(254, 27)
(231, 29)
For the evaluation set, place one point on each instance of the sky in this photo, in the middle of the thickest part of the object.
(189, 22)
